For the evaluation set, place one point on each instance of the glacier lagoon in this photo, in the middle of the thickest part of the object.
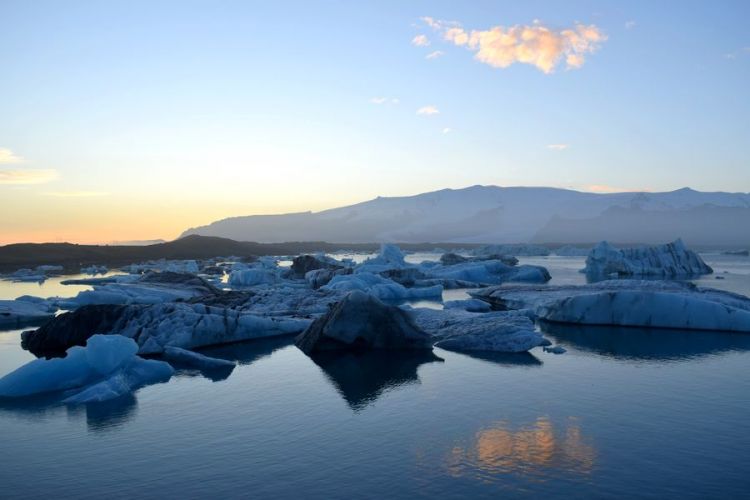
(622, 412)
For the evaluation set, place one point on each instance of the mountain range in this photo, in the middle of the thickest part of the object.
(493, 214)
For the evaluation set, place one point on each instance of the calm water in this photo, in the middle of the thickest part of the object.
(624, 413)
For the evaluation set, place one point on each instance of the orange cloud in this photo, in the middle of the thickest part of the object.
(537, 45)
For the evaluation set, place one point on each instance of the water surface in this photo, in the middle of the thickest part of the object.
(624, 413)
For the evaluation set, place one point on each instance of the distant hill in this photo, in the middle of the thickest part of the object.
(492, 214)
(73, 257)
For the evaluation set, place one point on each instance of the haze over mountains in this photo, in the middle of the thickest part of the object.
(493, 214)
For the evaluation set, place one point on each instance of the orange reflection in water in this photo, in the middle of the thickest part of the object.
(529, 450)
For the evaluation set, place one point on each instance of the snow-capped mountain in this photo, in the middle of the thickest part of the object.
(493, 214)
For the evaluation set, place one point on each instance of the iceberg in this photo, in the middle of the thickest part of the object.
(106, 368)
(380, 287)
(648, 303)
(24, 311)
(362, 322)
(688, 311)
(154, 327)
(390, 257)
(667, 261)
(150, 288)
(459, 330)
(490, 271)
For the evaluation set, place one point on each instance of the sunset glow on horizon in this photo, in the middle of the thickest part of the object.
(138, 121)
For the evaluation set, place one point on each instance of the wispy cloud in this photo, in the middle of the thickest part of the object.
(384, 100)
(8, 156)
(27, 176)
(420, 41)
(428, 110)
(736, 53)
(75, 194)
(629, 25)
(557, 147)
(434, 54)
(534, 44)
(447, 130)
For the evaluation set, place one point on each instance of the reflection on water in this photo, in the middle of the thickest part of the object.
(645, 343)
(361, 378)
(506, 359)
(530, 450)
(100, 416)
(107, 415)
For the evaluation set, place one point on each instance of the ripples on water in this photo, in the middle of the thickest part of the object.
(624, 413)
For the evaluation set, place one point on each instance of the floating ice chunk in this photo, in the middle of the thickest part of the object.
(648, 309)
(361, 321)
(196, 360)
(150, 288)
(670, 260)
(491, 271)
(106, 368)
(24, 311)
(380, 287)
(459, 330)
(390, 257)
(252, 277)
(154, 327)
(471, 305)
(138, 373)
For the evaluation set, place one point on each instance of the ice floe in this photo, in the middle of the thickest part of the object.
(106, 368)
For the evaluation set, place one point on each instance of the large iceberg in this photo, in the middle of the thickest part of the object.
(667, 261)
(155, 327)
(658, 304)
(649, 309)
(106, 368)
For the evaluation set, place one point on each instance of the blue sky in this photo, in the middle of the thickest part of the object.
(112, 112)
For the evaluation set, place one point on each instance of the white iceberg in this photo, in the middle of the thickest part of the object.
(669, 261)
(106, 368)
(390, 257)
(653, 309)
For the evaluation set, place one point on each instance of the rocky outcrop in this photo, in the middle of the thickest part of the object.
(362, 322)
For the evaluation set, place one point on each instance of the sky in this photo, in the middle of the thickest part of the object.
(137, 120)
